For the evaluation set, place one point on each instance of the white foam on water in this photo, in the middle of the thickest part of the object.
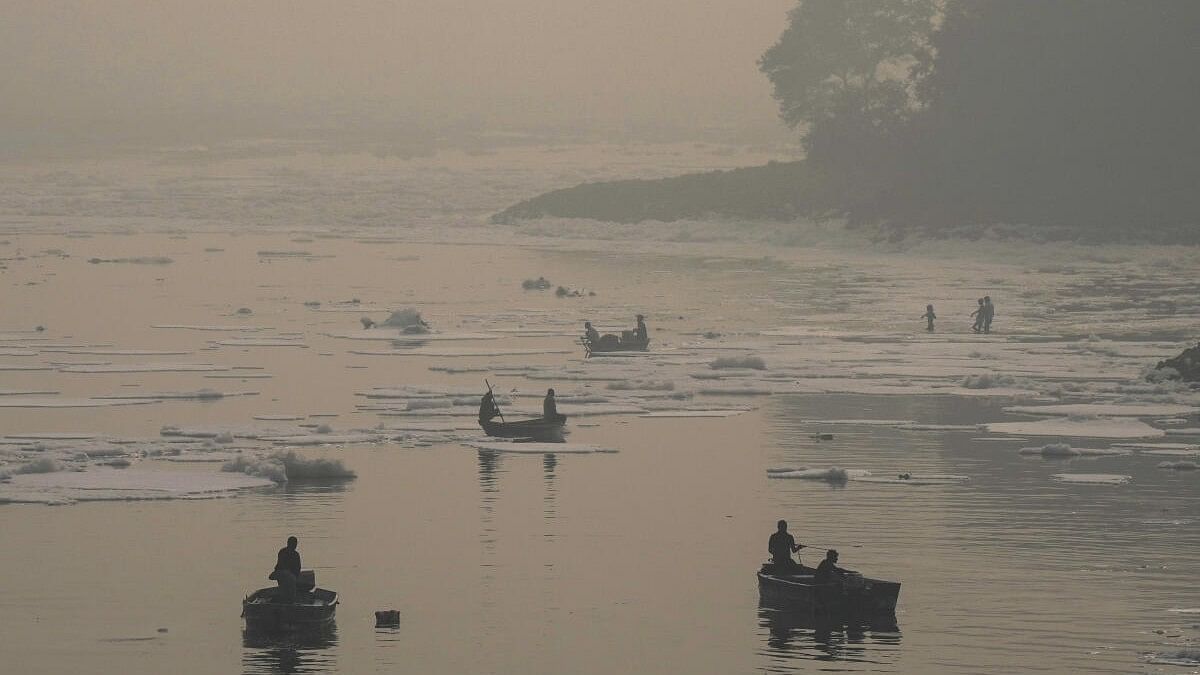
(284, 467)
(538, 448)
(461, 353)
(833, 474)
(1167, 449)
(915, 479)
(1093, 478)
(199, 394)
(324, 439)
(915, 426)
(261, 342)
(28, 392)
(116, 352)
(1186, 657)
(1190, 431)
(1061, 450)
(37, 402)
(229, 329)
(146, 368)
(108, 484)
(1179, 466)
(693, 413)
(1105, 409)
(52, 436)
(860, 422)
(17, 367)
(1090, 428)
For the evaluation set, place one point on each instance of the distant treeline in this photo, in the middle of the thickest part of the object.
(1071, 115)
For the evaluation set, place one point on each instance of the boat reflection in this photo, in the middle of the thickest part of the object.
(795, 634)
(309, 650)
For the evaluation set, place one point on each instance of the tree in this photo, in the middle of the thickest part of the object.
(1068, 113)
(848, 60)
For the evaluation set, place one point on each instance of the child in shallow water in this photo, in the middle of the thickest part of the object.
(929, 316)
(978, 314)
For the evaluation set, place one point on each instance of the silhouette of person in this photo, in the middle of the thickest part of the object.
(781, 546)
(828, 570)
(978, 314)
(487, 407)
(287, 570)
(640, 333)
(929, 316)
(549, 408)
(989, 313)
(592, 335)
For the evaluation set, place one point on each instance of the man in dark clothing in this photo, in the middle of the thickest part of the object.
(641, 333)
(287, 570)
(828, 571)
(781, 547)
(592, 335)
(487, 407)
(549, 407)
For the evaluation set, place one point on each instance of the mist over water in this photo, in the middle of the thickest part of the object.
(253, 287)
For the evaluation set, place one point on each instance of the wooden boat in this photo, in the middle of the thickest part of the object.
(853, 595)
(609, 343)
(537, 428)
(266, 609)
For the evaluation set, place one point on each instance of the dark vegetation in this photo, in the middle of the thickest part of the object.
(1071, 116)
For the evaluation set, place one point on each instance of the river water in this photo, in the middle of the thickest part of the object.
(639, 558)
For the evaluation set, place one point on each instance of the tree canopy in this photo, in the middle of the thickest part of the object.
(1063, 112)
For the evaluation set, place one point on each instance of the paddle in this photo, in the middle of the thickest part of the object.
(489, 386)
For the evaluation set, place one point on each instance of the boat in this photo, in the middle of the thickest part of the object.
(853, 595)
(265, 608)
(609, 343)
(538, 428)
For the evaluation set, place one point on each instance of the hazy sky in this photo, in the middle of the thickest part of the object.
(141, 67)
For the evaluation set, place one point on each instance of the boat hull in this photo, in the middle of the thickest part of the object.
(616, 345)
(856, 596)
(539, 428)
(263, 608)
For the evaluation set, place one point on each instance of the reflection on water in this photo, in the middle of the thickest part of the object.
(797, 635)
(308, 650)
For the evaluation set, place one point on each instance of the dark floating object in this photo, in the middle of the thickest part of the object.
(822, 437)
(1184, 367)
(852, 596)
(387, 618)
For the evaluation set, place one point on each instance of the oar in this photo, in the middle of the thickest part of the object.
(489, 386)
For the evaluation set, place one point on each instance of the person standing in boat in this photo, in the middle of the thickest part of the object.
(287, 570)
(487, 407)
(781, 546)
(591, 334)
(828, 571)
(549, 407)
(640, 333)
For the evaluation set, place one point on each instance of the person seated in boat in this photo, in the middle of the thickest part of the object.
(287, 570)
(590, 334)
(640, 333)
(549, 407)
(487, 407)
(828, 571)
(781, 546)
